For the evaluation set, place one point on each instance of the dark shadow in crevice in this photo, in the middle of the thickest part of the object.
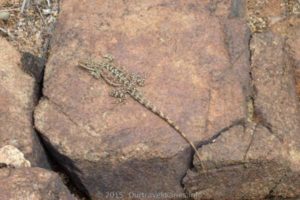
(65, 167)
(34, 66)
(240, 122)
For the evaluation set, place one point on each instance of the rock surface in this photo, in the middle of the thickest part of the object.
(293, 43)
(33, 184)
(10, 155)
(197, 68)
(260, 158)
(2, 2)
(17, 101)
(271, 69)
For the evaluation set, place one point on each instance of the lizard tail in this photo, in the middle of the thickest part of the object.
(183, 135)
(152, 108)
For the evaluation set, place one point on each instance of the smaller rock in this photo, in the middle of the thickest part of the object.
(4, 15)
(12, 156)
(32, 183)
(47, 11)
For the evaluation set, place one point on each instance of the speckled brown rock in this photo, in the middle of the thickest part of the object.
(33, 184)
(197, 73)
(261, 158)
(16, 107)
(242, 165)
(278, 16)
(278, 109)
(293, 43)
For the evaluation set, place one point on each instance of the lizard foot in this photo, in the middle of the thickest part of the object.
(119, 94)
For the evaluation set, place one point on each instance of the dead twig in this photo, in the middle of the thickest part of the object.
(10, 9)
(49, 3)
(6, 32)
(41, 14)
(24, 4)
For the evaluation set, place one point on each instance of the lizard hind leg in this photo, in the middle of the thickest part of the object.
(120, 94)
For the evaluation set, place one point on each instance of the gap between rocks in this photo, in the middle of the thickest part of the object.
(34, 66)
(212, 139)
(34, 57)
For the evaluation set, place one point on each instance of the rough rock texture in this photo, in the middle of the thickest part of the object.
(33, 184)
(2, 2)
(293, 43)
(282, 19)
(16, 107)
(260, 158)
(278, 110)
(10, 155)
(197, 73)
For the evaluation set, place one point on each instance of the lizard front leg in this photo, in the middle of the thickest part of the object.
(137, 79)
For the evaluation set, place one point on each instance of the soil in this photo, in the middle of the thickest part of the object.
(30, 25)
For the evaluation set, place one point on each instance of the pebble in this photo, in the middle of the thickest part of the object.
(46, 11)
(4, 15)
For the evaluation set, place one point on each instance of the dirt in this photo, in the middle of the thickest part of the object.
(29, 28)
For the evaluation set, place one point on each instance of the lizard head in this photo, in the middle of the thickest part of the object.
(90, 66)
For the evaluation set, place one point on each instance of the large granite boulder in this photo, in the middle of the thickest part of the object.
(197, 68)
(17, 101)
(32, 183)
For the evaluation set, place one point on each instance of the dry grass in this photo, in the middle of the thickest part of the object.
(30, 24)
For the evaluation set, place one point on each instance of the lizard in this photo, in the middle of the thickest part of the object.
(126, 84)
